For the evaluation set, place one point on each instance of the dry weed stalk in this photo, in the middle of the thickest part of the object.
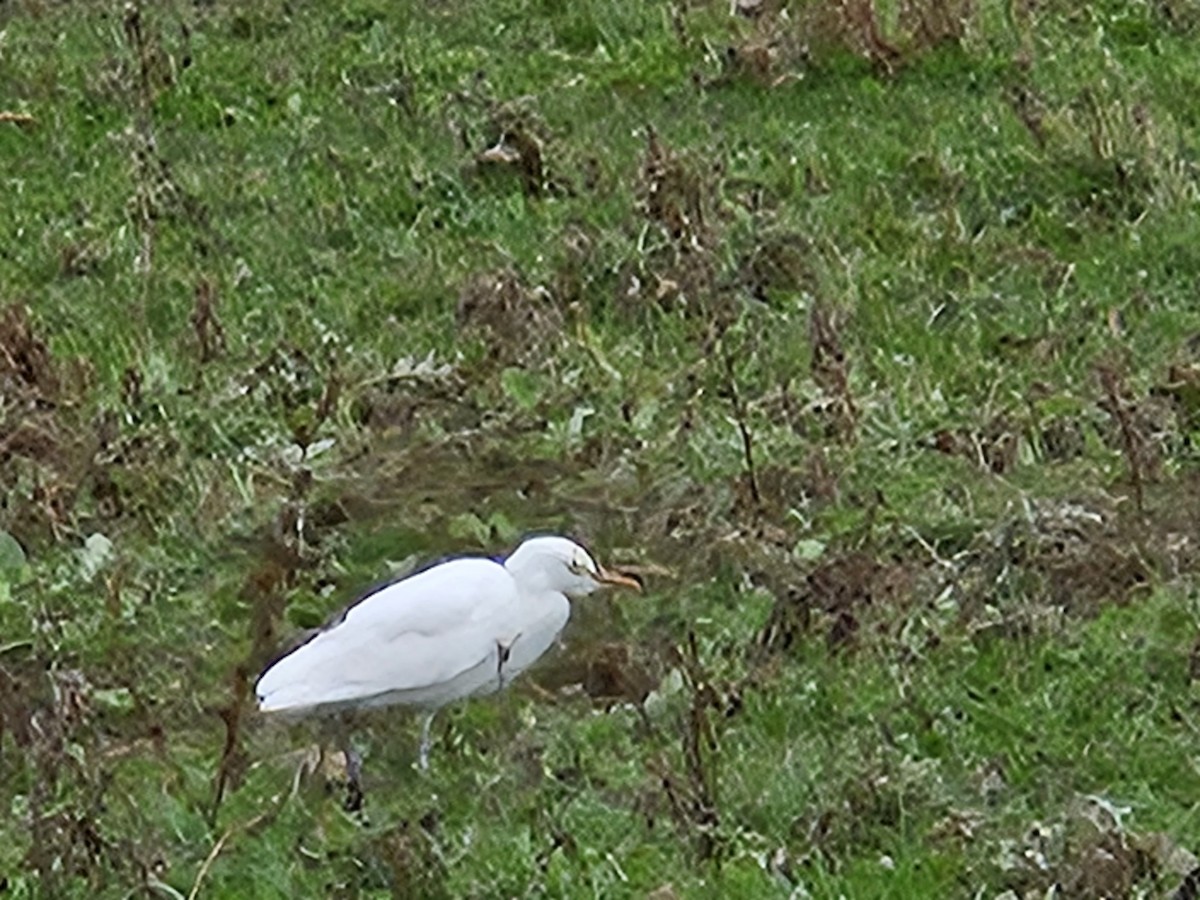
(210, 334)
(782, 38)
(517, 140)
(49, 711)
(519, 149)
(143, 133)
(234, 760)
(741, 418)
(1123, 410)
(45, 452)
(283, 556)
(831, 368)
(694, 802)
(17, 118)
(154, 69)
(932, 23)
(1029, 107)
(675, 264)
(672, 195)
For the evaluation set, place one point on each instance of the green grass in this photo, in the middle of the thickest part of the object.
(919, 635)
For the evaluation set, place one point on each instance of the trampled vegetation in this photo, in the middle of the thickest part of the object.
(867, 333)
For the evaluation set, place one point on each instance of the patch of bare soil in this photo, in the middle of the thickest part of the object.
(1088, 852)
(836, 597)
(42, 456)
(517, 322)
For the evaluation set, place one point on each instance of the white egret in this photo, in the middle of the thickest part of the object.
(461, 628)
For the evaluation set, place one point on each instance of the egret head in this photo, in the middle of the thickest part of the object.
(559, 564)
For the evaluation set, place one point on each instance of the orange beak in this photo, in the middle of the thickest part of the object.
(616, 579)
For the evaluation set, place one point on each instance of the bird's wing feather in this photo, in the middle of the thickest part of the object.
(411, 635)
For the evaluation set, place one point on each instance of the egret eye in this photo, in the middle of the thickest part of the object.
(577, 568)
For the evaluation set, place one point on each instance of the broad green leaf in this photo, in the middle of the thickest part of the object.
(12, 554)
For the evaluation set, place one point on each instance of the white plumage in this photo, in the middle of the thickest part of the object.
(408, 642)
(463, 627)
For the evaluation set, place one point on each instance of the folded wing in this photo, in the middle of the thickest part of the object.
(411, 639)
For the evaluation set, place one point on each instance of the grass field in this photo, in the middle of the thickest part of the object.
(870, 331)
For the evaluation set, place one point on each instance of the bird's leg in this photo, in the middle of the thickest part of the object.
(354, 789)
(353, 759)
(503, 652)
(423, 758)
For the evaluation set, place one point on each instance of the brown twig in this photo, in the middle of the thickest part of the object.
(830, 367)
(147, 165)
(210, 335)
(741, 418)
(232, 757)
(701, 750)
(1117, 406)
